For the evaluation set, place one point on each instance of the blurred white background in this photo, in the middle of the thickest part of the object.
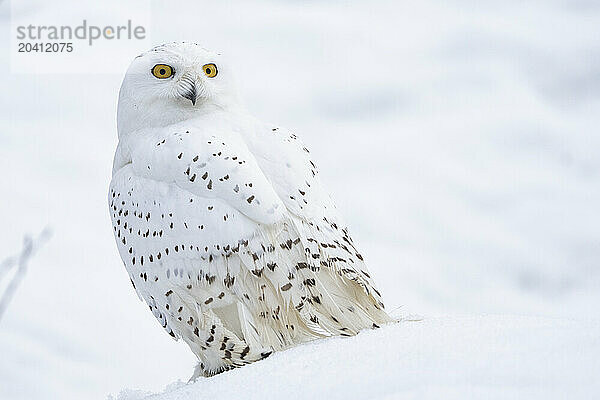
(472, 126)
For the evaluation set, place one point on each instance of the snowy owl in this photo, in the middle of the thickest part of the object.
(222, 221)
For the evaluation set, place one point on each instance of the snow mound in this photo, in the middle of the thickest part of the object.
(492, 357)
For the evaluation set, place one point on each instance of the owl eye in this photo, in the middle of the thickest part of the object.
(210, 70)
(162, 71)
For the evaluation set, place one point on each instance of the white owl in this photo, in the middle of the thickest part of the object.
(222, 222)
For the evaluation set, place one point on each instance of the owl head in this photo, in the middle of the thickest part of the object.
(171, 83)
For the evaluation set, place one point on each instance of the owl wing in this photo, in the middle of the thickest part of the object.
(215, 166)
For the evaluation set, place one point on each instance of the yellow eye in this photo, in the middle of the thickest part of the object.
(210, 70)
(162, 71)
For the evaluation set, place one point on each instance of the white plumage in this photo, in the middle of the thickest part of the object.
(222, 222)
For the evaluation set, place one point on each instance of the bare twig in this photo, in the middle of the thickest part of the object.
(30, 246)
(7, 264)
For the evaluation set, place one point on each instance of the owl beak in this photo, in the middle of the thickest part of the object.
(187, 88)
(190, 94)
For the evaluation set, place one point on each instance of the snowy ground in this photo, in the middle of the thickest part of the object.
(472, 126)
(491, 357)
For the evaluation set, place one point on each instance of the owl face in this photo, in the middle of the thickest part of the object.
(173, 82)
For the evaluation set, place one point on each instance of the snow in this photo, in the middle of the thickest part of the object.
(468, 357)
(471, 128)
